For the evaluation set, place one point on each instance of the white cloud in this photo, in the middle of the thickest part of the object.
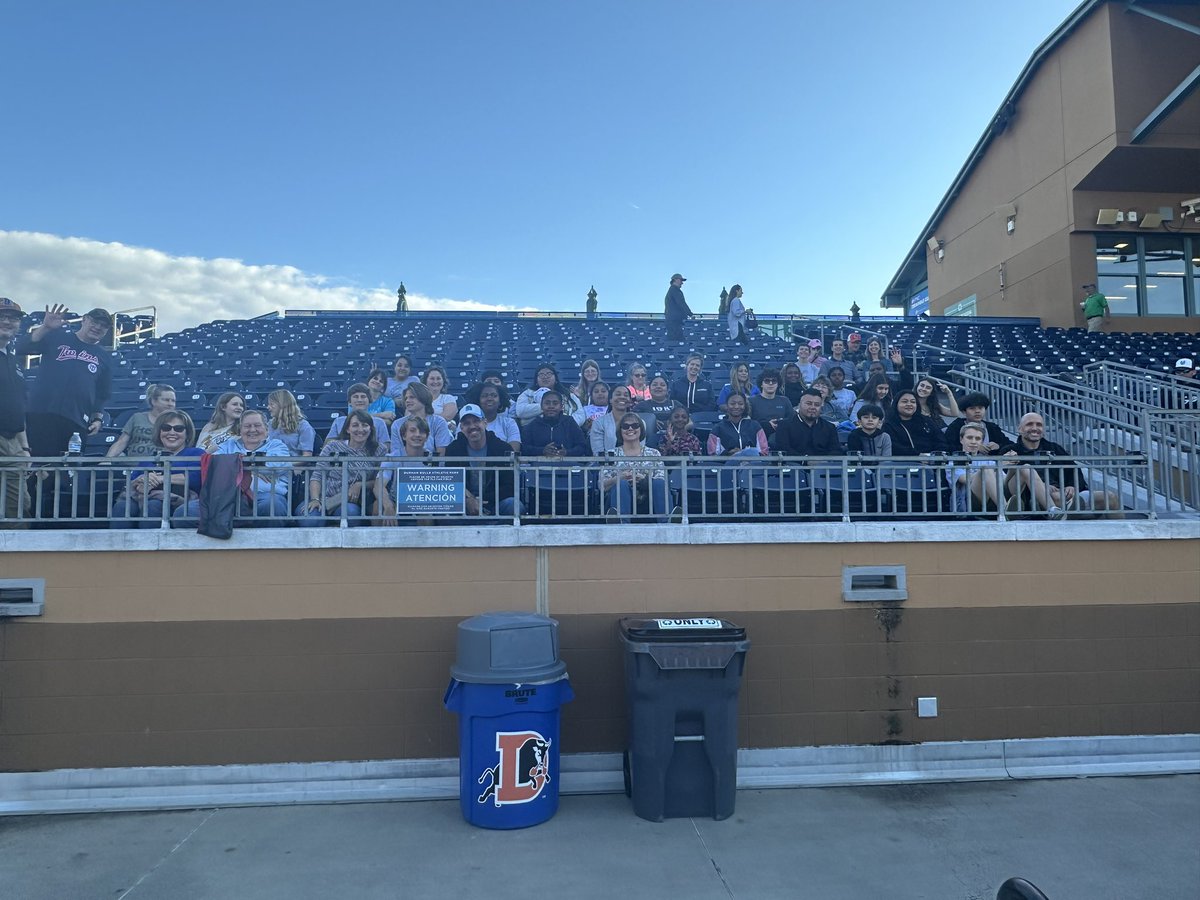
(38, 269)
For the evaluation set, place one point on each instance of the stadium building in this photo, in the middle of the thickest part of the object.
(1089, 172)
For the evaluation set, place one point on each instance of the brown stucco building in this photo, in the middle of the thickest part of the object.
(1083, 175)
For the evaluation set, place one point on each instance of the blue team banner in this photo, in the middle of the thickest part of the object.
(422, 491)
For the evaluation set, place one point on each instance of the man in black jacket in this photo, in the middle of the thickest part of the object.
(806, 433)
(1065, 484)
(490, 481)
(675, 308)
(74, 379)
(552, 434)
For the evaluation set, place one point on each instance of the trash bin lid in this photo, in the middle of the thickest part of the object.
(507, 648)
(688, 629)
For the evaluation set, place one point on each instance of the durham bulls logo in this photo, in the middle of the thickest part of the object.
(523, 769)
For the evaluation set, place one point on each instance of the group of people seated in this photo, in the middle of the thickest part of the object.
(858, 400)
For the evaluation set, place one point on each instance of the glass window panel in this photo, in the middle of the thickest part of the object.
(1122, 300)
(1164, 256)
(1164, 296)
(1116, 254)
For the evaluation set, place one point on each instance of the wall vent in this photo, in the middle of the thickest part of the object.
(22, 596)
(874, 583)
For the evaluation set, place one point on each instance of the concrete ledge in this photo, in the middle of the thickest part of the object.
(190, 787)
(456, 537)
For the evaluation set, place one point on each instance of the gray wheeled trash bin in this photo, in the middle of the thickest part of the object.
(681, 680)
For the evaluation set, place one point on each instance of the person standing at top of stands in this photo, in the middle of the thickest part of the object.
(552, 434)
(529, 402)
(74, 379)
(1095, 307)
(14, 501)
(675, 308)
(837, 360)
(974, 409)
(691, 389)
(806, 433)
(735, 317)
(1065, 485)
(402, 377)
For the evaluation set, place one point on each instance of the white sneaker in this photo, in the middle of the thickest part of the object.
(1056, 512)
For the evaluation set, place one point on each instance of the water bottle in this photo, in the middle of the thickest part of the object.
(75, 445)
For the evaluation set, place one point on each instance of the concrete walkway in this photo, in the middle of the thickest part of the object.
(1078, 839)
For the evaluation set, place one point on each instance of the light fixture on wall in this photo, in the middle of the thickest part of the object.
(1151, 220)
(1008, 212)
(937, 248)
(1110, 217)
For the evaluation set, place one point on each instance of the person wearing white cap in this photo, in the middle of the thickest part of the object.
(490, 485)
(1185, 367)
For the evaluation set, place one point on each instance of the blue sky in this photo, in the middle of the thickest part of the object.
(224, 158)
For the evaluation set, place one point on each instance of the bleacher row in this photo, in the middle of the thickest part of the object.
(318, 357)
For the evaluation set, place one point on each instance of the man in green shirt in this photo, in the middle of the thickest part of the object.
(1095, 307)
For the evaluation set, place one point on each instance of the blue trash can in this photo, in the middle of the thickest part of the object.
(507, 687)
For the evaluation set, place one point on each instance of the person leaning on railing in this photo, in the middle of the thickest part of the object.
(141, 503)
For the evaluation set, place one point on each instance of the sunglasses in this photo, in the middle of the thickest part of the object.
(180, 429)
(631, 426)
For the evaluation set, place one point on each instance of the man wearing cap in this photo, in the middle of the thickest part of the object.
(676, 308)
(14, 500)
(74, 379)
(1178, 395)
(1095, 307)
(490, 485)
(854, 349)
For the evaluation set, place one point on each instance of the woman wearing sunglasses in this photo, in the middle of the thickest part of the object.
(140, 505)
(636, 478)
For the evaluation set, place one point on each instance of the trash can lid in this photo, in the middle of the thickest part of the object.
(507, 648)
(674, 630)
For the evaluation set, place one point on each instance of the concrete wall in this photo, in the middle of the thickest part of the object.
(269, 655)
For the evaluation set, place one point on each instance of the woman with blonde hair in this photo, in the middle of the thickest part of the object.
(136, 439)
(222, 424)
(288, 423)
(444, 405)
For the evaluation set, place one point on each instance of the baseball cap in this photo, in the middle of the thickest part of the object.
(100, 315)
(854, 336)
(470, 410)
(677, 275)
(1185, 363)
(10, 306)
(814, 344)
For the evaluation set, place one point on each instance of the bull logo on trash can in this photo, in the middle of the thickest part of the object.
(523, 769)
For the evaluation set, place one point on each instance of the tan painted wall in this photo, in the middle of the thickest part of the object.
(176, 658)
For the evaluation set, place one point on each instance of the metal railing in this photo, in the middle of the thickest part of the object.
(1092, 420)
(1142, 387)
(105, 493)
